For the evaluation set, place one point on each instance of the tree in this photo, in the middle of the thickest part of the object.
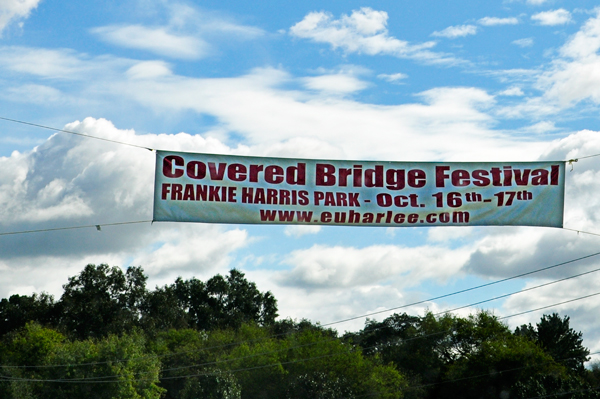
(18, 310)
(102, 300)
(221, 302)
(41, 363)
(468, 357)
(557, 338)
(318, 385)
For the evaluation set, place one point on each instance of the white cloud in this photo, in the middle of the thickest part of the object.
(340, 83)
(149, 70)
(34, 94)
(61, 64)
(578, 311)
(512, 91)
(276, 121)
(445, 234)
(15, 9)
(394, 77)
(364, 31)
(575, 76)
(453, 32)
(300, 230)
(324, 266)
(542, 127)
(503, 253)
(494, 21)
(156, 40)
(536, 2)
(74, 181)
(188, 33)
(554, 17)
(525, 42)
(273, 119)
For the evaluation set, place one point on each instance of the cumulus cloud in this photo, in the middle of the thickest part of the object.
(579, 308)
(503, 253)
(495, 21)
(452, 32)
(75, 181)
(11, 10)
(553, 17)
(364, 31)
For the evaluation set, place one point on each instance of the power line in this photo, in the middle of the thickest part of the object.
(436, 314)
(399, 307)
(465, 290)
(582, 232)
(92, 380)
(96, 226)
(104, 378)
(501, 372)
(75, 133)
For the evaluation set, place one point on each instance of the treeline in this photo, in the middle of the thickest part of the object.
(108, 336)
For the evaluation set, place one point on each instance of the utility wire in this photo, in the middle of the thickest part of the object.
(399, 307)
(104, 378)
(465, 290)
(96, 226)
(92, 380)
(277, 335)
(76, 133)
(582, 232)
(152, 149)
(502, 372)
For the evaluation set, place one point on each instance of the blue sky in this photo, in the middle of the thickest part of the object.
(382, 80)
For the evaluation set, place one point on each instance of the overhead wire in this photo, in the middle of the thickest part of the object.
(98, 226)
(76, 133)
(92, 380)
(502, 372)
(104, 378)
(570, 161)
(464, 290)
(440, 313)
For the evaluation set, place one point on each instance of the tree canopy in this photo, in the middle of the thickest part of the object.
(109, 336)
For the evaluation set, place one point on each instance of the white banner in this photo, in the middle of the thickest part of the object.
(212, 188)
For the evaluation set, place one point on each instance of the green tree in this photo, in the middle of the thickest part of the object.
(221, 302)
(41, 363)
(267, 365)
(557, 338)
(102, 300)
(18, 310)
(467, 357)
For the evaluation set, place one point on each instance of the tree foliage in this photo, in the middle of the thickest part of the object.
(108, 336)
(477, 356)
(557, 338)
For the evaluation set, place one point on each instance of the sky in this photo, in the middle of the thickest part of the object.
(381, 80)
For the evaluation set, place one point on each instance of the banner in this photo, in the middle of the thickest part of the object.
(212, 188)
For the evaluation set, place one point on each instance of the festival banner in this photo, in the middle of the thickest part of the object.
(209, 188)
